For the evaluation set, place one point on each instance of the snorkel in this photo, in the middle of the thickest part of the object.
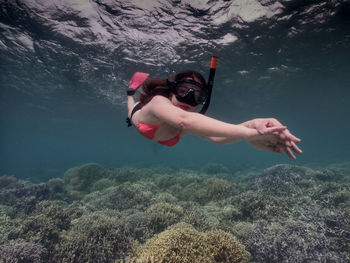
(210, 84)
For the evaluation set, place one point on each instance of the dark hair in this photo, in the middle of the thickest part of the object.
(159, 86)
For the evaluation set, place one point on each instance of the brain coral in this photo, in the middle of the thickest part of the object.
(182, 243)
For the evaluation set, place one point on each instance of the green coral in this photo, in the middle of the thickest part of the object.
(121, 197)
(5, 224)
(257, 206)
(210, 189)
(333, 194)
(182, 243)
(80, 179)
(203, 218)
(43, 226)
(161, 215)
(102, 184)
(97, 237)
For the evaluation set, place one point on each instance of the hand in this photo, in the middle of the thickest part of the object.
(268, 142)
(288, 140)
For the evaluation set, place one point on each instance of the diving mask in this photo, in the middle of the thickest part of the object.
(190, 92)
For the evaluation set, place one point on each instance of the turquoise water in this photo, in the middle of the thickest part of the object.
(97, 191)
(65, 67)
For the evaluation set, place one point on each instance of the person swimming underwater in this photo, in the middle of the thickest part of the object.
(166, 111)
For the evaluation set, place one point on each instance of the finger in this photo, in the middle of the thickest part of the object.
(291, 137)
(288, 143)
(274, 122)
(272, 130)
(290, 153)
(296, 148)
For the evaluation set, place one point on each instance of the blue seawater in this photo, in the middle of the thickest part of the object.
(65, 65)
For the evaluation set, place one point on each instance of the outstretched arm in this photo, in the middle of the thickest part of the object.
(199, 124)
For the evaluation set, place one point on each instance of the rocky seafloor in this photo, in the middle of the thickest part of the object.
(96, 214)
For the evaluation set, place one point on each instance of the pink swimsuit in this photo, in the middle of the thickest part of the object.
(149, 130)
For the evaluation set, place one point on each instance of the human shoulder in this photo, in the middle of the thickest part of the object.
(160, 99)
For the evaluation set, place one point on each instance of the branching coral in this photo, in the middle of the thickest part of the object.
(136, 226)
(81, 179)
(317, 234)
(255, 206)
(94, 238)
(211, 189)
(290, 241)
(23, 252)
(161, 215)
(125, 196)
(203, 218)
(182, 243)
(24, 196)
(43, 226)
(291, 214)
(281, 180)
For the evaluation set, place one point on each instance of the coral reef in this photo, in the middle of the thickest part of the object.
(136, 226)
(182, 243)
(290, 241)
(254, 206)
(22, 195)
(210, 189)
(281, 180)
(43, 226)
(125, 196)
(80, 180)
(96, 237)
(161, 215)
(23, 252)
(94, 214)
(215, 169)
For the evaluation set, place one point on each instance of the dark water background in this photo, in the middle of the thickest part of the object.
(65, 65)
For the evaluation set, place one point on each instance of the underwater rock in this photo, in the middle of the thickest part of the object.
(99, 237)
(23, 252)
(24, 196)
(182, 243)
